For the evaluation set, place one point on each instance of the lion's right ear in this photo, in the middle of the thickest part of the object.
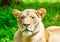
(16, 13)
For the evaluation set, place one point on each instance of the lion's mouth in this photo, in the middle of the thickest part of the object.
(27, 32)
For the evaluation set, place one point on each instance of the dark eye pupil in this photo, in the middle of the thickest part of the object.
(33, 17)
(22, 17)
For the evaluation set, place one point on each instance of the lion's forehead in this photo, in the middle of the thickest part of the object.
(28, 11)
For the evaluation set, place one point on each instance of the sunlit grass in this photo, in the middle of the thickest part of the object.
(8, 24)
(40, 1)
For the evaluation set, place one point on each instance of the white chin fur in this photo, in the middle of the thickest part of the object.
(27, 33)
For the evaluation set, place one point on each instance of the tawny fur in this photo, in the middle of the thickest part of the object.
(39, 33)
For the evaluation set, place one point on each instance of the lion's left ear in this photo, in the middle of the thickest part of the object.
(41, 12)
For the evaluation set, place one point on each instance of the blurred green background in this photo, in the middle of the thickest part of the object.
(8, 24)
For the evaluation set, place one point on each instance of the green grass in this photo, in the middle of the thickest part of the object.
(8, 24)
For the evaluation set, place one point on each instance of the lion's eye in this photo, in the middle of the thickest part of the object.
(33, 17)
(23, 17)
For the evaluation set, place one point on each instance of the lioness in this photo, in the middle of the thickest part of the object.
(31, 28)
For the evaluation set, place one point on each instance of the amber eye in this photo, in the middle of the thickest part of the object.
(33, 17)
(23, 17)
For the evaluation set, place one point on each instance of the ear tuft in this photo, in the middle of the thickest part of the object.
(41, 12)
(16, 13)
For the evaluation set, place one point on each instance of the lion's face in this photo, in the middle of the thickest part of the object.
(29, 19)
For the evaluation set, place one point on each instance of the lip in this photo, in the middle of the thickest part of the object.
(27, 33)
(27, 30)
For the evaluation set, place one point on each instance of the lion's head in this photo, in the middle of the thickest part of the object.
(29, 19)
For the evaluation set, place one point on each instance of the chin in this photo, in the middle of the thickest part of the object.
(27, 33)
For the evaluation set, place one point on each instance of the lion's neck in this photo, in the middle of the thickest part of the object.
(40, 36)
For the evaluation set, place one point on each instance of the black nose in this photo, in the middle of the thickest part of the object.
(26, 25)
